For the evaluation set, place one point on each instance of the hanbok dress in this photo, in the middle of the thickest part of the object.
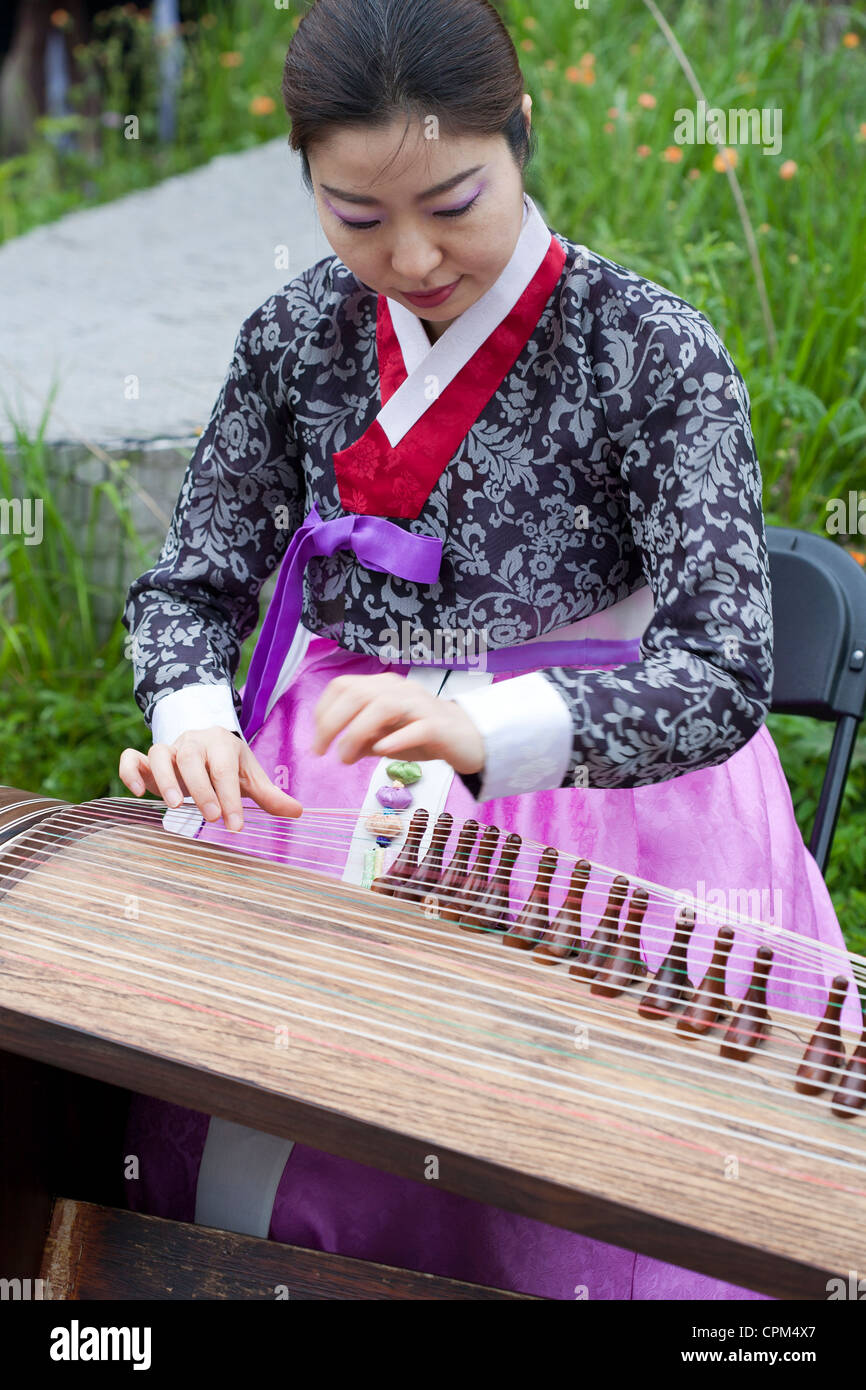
(568, 474)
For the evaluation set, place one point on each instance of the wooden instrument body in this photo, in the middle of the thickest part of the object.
(215, 989)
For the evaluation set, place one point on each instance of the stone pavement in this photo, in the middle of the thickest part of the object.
(147, 294)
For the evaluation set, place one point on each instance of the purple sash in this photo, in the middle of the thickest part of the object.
(385, 547)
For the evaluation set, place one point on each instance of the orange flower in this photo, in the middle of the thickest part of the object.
(262, 106)
(60, 18)
(863, 130)
(788, 169)
(858, 556)
(613, 112)
(643, 151)
(550, 64)
(573, 75)
(727, 159)
(527, 45)
(530, 23)
(764, 227)
(608, 127)
(850, 40)
(588, 76)
(587, 60)
(232, 59)
(673, 154)
(693, 174)
(646, 99)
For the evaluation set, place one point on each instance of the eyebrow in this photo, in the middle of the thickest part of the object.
(430, 193)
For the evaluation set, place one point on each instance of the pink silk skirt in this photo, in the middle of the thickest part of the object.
(730, 828)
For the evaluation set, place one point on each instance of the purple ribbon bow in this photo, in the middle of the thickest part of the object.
(374, 540)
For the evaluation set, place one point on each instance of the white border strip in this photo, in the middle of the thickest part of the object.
(462, 339)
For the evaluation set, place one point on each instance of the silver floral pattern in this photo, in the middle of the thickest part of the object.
(617, 452)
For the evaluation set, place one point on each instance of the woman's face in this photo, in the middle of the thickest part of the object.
(448, 210)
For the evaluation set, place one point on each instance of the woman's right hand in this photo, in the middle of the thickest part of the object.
(214, 767)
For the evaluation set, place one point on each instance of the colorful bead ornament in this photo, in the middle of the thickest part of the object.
(387, 825)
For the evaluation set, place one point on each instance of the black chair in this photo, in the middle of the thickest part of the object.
(819, 614)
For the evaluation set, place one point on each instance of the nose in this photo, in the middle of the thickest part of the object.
(414, 257)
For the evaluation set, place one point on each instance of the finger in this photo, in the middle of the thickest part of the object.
(371, 724)
(332, 717)
(190, 761)
(165, 775)
(343, 699)
(134, 771)
(259, 788)
(222, 763)
(415, 742)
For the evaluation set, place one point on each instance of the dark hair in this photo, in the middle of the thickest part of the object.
(365, 62)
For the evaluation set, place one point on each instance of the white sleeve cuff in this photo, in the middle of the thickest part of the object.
(527, 731)
(193, 707)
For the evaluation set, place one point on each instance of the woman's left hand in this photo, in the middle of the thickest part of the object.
(387, 716)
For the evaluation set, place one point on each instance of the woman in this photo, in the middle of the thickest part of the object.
(460, 422)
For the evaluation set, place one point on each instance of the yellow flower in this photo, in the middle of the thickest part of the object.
(850, 40)
(788, 169)
(764, 227)
(643, 151)
(726, 159)
(793, 258)
(646, 99)
(262, 106)
(232, 59)
(673, 154)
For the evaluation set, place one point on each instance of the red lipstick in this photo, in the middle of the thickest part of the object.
(435, 297)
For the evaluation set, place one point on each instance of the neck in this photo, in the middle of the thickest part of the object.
(435, 330)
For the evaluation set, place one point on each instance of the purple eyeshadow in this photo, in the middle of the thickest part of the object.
(352, 220)
(359, 221)
(458, 206)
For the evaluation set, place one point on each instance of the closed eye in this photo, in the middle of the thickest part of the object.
(459, 212)
(449, 212)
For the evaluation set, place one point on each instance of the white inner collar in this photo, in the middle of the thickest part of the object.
(443, 359)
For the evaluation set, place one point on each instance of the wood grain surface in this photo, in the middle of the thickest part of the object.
(336, 1017)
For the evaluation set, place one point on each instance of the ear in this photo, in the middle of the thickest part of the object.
(527, 110)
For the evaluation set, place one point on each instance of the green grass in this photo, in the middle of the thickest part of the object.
(66, 708)
(677, 223)
(117, 77)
